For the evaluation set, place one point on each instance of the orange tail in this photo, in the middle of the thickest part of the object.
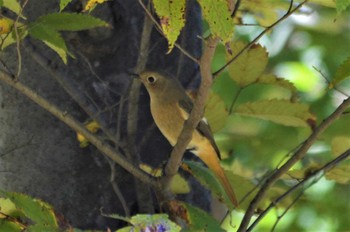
(212, 161)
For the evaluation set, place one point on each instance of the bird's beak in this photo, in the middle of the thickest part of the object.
(134, 75)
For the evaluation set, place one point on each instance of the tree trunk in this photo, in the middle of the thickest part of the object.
(40, 156)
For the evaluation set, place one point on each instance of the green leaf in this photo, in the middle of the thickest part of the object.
(7, 207)
(340, 173)
(63, 4)
(278, 111)
(215, 112)
(265, 12)
(70, 21)
(200, 220)
(281, 82)
(36, 210)
(1, 3)
(8, 39)
(328, 3)
(14, 6)
(6, 225)
(207, 178)
(247, 68)
(339, 145)
(218, 15)
(172, 18)
(179, 185)
(127, 229)
(51, 38)
(41, 227)
(342, 73)
(341, 5)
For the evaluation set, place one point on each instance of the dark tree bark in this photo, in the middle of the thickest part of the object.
(40, 156)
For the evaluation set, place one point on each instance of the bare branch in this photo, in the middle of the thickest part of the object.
(143, 192)
(71, 88)
(286, 210)
(78, 127)
(197, 112)
(299, 154)
(316, 174)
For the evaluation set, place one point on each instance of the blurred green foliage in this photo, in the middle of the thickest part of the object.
(306, 49)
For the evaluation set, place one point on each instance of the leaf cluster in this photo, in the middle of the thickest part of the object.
(46, 28)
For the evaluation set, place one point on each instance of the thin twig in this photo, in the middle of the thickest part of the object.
(116, 188)
(27, 144)
(92, 71)
(289, 12)
(18, 46)
(299, 154)
(7, 67)
(72, 89)
(286, 210)
(120, 118)
(328, 82)
(316, 174)
(235, 99)
(78, 127)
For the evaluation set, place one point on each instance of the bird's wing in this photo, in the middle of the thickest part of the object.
(203, 128)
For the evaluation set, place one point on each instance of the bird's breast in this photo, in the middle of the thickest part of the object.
(169, 120)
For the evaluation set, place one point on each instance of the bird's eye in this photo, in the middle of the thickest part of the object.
(151, 79)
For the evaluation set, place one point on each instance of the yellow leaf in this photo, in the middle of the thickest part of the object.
(340, 174)
(178, 184)
(215, 112)
(156, 172)
(93, 127)
(265, 12)
(278, 111)
(5, 25)
(249, 66)
(91, 4)
(339, 145)
(218, 15)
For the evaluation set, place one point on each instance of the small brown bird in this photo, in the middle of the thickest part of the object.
(170, 107)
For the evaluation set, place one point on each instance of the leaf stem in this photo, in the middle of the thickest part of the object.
(235, 97)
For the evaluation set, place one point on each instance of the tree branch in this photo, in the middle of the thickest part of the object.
(142, 191)
(78, 127)
(196, 115)
(299, 154)
(289, 12)
(319, 173)
(71, 87)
